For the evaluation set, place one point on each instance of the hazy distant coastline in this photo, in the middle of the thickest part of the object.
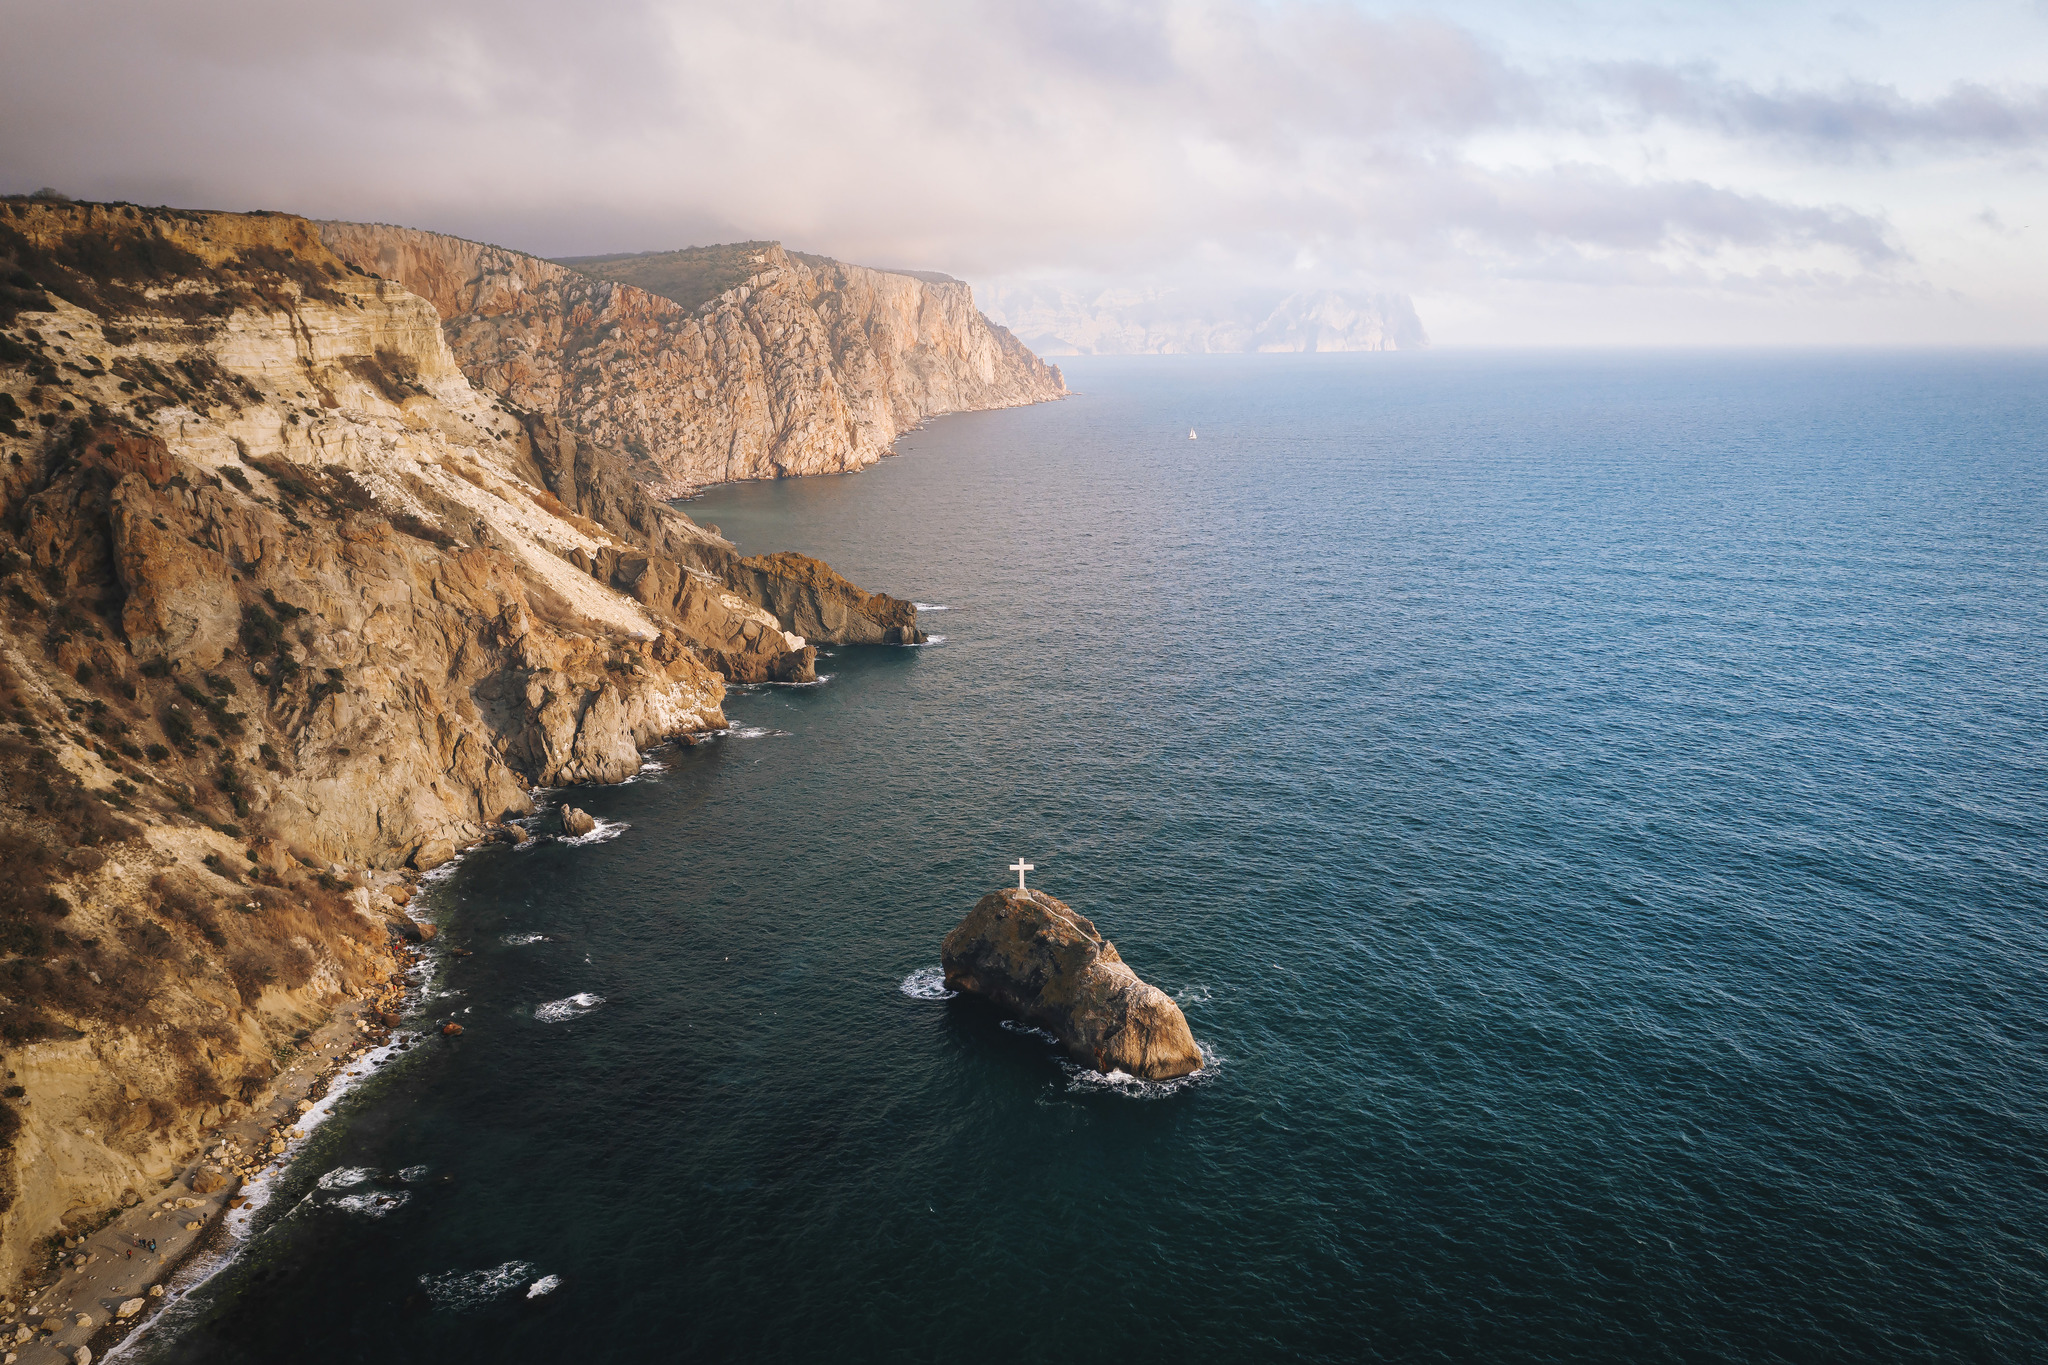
(1054, 320)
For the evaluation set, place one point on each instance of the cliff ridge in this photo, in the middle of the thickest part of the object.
(804, 366)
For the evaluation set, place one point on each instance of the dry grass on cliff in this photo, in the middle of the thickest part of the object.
(692, 276)
(126, 264)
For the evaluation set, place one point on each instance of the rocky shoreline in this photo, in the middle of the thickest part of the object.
(291, 612)
(104, 1288)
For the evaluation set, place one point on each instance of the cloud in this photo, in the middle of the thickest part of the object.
(1851, 119)
(978, 136)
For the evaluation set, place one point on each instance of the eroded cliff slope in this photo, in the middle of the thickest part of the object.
(805, 367)
(289, 612)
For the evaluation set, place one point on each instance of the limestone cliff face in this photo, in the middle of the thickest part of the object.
(801, 369)
(290, 610)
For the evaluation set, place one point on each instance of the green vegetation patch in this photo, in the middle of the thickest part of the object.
(692, 277)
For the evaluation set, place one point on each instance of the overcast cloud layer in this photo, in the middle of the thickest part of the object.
(1612, 173)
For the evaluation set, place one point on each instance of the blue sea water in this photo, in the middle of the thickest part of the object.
(1589, 806)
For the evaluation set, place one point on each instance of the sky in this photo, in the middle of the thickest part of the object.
(1584, 172)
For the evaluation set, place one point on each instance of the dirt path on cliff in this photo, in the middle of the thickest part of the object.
(78, 1307)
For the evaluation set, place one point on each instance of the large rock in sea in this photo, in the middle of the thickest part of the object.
(1037, 958)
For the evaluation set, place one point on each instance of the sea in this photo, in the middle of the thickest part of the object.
(1590, 807)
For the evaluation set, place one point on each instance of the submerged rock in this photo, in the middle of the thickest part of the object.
(1033, 955)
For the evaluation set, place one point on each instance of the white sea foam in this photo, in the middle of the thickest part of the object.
(650, 771)
(1191, 996)
(460, 1289)
(606, 829)
(755, 732)
(342, 1177)
(413, 1175)
(1019, 1026)
(931, 606)
(927, 983)
(521, 940)
(818, 681)
(928, 642)
(555, 1011)
(1081, 1079)
(257, 1193)
(546, 1284)
(372, 1203)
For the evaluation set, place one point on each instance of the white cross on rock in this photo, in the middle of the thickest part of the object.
(1020, 867)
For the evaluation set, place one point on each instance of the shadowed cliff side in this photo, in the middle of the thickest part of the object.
(797, 369)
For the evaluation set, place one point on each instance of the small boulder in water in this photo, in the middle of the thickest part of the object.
(576, 821)
(1035, 957)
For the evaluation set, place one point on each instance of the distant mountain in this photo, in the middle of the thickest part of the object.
(1052, 320)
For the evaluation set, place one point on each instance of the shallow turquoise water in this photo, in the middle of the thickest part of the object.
(1589, 806)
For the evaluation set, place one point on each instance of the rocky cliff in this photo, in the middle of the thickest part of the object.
(803, 367)
(290, 610)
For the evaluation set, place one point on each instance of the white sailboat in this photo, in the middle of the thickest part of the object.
(1191, 433)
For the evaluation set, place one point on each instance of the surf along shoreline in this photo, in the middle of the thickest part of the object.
(255, 1156)
(204, 1218)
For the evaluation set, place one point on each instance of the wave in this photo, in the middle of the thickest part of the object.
(818, 681)
(931, 606)
(459, 1289)
(372, 1203)
(413, 1175)
(755, 732)
(606, 829)
(546, 1284)
(928, 642)
(650, 771)
(1083, 1080)
(926, 983)
(343, 1177)
(1191, 996)
(555, 1011)
(521, 940)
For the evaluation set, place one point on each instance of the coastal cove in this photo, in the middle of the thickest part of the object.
(1586, 807)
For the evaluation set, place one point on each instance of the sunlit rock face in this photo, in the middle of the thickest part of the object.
(807, 366)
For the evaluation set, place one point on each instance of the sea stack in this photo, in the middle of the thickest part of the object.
(1036, 957)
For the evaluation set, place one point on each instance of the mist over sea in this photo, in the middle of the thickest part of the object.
(1590, 807)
